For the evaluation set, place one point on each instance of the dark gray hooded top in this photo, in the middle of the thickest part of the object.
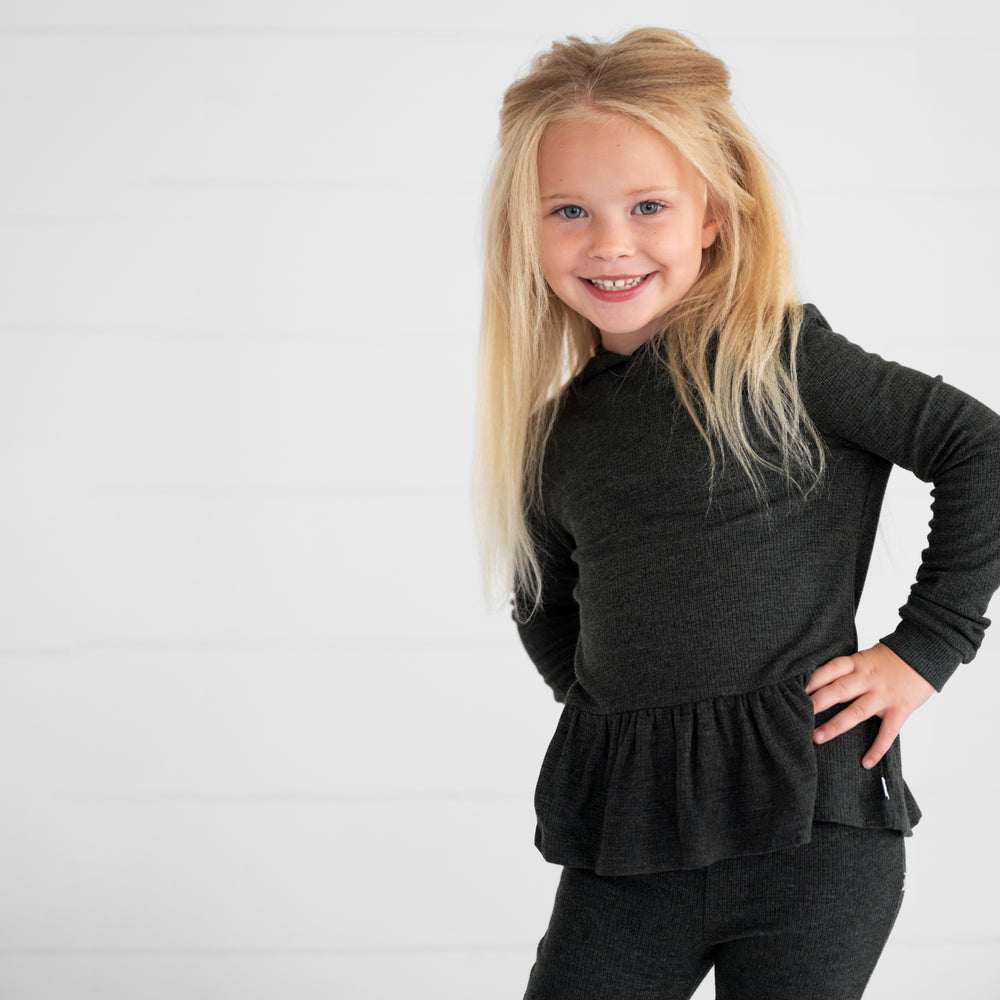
(680, 619)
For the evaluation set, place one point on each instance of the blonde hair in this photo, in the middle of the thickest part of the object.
(729, 345)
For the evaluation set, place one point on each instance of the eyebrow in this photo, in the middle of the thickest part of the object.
(651, 190)
(628, 194)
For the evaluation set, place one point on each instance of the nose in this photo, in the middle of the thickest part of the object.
(610, 239)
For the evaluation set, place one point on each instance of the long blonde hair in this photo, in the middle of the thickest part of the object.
(729, 345)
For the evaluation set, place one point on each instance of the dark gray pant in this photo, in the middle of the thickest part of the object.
(807, 922)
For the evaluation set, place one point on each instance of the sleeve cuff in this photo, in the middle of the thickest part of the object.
(933, 658)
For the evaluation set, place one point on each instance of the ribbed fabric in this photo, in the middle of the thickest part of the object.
(806, 922)
(680, 620)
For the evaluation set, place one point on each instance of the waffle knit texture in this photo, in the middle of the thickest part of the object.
(681, 618)
(805, 922)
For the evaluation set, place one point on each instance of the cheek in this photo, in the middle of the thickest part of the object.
(686, 251)
(555, 256)
(545, 250)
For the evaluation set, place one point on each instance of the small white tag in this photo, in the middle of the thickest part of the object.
(885, 788)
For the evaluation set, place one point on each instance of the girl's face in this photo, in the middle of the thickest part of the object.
(624, 221)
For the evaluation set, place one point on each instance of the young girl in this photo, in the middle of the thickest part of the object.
(680, 473)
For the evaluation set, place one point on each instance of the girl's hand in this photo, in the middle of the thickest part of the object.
(874, 682)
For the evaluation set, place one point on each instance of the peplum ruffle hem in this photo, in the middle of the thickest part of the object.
(684, 786)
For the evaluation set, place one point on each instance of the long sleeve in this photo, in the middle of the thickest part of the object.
(944, 437)
(550, 631)
(682, 612)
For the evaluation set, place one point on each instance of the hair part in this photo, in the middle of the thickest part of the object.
(729, 345)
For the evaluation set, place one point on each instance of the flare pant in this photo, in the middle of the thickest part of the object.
(805, 922)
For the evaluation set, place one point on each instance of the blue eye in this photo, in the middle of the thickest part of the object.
(649, 207)
(570, 212)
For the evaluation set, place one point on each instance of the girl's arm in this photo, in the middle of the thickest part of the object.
(945, 437)
(549, 632)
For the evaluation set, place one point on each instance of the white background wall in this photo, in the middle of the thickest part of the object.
(259, 737)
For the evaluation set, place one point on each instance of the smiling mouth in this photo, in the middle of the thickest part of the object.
(617, 284)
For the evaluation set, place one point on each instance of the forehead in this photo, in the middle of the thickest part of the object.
(602, 149)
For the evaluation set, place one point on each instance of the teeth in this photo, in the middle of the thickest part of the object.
(611, 286)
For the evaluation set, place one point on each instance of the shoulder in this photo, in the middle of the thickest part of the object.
(828, 364)
(888, 408)
(820, 351)
(846, 390)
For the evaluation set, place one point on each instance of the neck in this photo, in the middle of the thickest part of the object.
(624, 343)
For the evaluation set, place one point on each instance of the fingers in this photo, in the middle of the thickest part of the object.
(859, 711)
(841, 680)
(869, 683)
(839, 666)
(839, 692)
(887, 734)
(856, 712)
